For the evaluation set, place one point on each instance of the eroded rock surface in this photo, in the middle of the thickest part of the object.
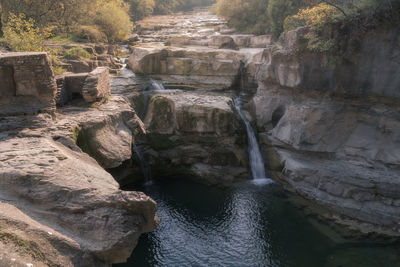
(58, 201)
(27, 83)
(338, 149)
(196, 134)
(330, 133)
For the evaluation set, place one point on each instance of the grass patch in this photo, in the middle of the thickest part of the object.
(76, 53)
(58, 70)
(64, 39)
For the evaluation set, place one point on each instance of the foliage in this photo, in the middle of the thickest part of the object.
(90, 34)
(113, 20)
(315, 17)
(76, 53)
(245, 15)
(277, 12)
(141, 8)
(22, 35)
(165, 6)
(58, 70)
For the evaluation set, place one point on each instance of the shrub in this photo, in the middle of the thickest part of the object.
(316, 18)
(21, 34)
(277, 12)
(76, 53)
(141, 8)
(248, 16)
(58, 70)
(113, 20)
(90, 34)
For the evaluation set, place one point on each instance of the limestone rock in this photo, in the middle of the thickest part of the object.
(97, 85)
(196, 67)
(341, 152)
(42, 179)
(198, 135)
(60, 200)
(27, 83)
(222, 42)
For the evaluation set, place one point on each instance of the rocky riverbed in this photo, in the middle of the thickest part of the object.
(329, 133)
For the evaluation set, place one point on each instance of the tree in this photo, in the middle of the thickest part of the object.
(23, 35)
(278, 10)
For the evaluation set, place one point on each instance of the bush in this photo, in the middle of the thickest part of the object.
(76, 53)
(57, 70)
(113, 20)
(141, 8)
(277, 12)
(248, 16)
(90, 34)
(21, 34)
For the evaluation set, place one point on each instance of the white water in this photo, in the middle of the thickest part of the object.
(255, 157)
(156, 86)
(124, 71)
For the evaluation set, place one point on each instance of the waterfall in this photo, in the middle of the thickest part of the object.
(124, 71)
(156, 86)
(139, 150)
(255, 158)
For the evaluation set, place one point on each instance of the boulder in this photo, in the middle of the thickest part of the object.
(195, 67)
(82, 66)
(66, 204)
(58, 205)
(27, 83)
(97, 85)
(222, 42)
(197, 135)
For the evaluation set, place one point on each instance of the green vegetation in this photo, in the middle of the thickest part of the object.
(76, 53)
(247, 16)
(275, 16)
(22, 35)
(98, 21)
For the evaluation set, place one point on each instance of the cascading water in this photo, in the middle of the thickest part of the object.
(156, 86)
(139, 150)
(255, 158)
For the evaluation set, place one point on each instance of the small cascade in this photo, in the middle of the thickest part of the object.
(124, 71)
(255, 158)
(139, 150)
(156, 86)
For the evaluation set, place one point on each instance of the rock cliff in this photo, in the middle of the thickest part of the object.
(331, 132)
(58, 206)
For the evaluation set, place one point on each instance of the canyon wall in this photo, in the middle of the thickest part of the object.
(331, 133)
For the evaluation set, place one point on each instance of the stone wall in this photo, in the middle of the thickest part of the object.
(27, 83)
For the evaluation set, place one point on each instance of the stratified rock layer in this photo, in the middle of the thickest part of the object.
(27, 83)
(196, 134)
(331, 132)
(59, 200)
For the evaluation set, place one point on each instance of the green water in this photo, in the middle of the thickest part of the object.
(241, 225)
